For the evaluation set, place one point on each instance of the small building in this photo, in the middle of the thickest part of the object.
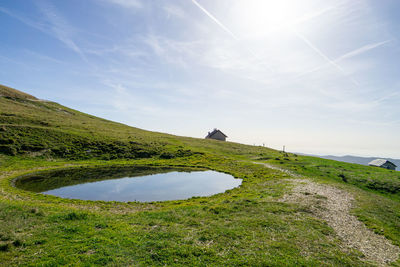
(383, 163)
(217, 135)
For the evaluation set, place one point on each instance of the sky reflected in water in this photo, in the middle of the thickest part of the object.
(157, 187)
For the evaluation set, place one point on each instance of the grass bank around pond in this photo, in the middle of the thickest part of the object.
(244, 226)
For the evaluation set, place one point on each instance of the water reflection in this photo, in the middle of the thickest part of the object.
(142, 184)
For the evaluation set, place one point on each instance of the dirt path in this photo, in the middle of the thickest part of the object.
(280, 169)
(333, 205)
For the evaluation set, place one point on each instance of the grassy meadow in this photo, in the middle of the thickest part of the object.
(247, 225)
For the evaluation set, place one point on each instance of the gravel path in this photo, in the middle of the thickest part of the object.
(333, 205)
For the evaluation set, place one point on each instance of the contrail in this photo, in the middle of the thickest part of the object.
(215, 20)
(362, 50)
(313, 15)
(226, 29)
(319, 52)
(350, 54)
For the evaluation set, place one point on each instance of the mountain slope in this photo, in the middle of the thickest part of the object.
(34, 127)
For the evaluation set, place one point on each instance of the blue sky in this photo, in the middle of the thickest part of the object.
(320, 76)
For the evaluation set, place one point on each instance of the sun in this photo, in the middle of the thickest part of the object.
(265, 16)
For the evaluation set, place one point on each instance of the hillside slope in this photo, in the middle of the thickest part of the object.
(43, 128)
(12, 93)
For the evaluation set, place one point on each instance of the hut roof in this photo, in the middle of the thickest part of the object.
(380, 162)
(214, 132)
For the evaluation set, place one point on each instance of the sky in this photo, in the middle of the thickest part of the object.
(318, 76)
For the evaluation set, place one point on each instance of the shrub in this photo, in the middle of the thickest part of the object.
(75, 216)
(344, 178)
(4, 247)
(8, 150)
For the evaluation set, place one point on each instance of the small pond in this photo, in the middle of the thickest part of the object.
(143, 184)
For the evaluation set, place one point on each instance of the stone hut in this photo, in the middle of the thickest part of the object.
(217, 135)
(383, 163)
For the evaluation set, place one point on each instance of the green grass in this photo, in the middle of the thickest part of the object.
(243, 226)
(377, 190)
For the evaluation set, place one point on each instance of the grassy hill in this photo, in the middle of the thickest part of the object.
(249, 225)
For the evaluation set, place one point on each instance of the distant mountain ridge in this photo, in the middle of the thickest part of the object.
(358, 160)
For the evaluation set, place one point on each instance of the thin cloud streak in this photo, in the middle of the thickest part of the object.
(57, 28)
(318, 51)
(314, 15)
(43, 57)
(126, 3)
(24, 20)
(351, 54)
(215, 20)
(361, 50)
(174, 11)
(60, 29)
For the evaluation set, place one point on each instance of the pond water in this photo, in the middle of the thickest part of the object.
(141, 184)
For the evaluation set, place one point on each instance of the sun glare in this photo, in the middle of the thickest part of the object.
(258, 17)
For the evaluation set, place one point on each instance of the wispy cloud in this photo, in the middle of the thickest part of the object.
(54, 25)
(174, 11)
(43, 57)
(388, 96)
(60, 28)
(313, 15)
(24, 19)
(17, 62)
(127, 3)
(361, 50)
(123, 99)
(172, 51)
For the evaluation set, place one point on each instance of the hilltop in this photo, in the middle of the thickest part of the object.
(289, 210)
(12, 93)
